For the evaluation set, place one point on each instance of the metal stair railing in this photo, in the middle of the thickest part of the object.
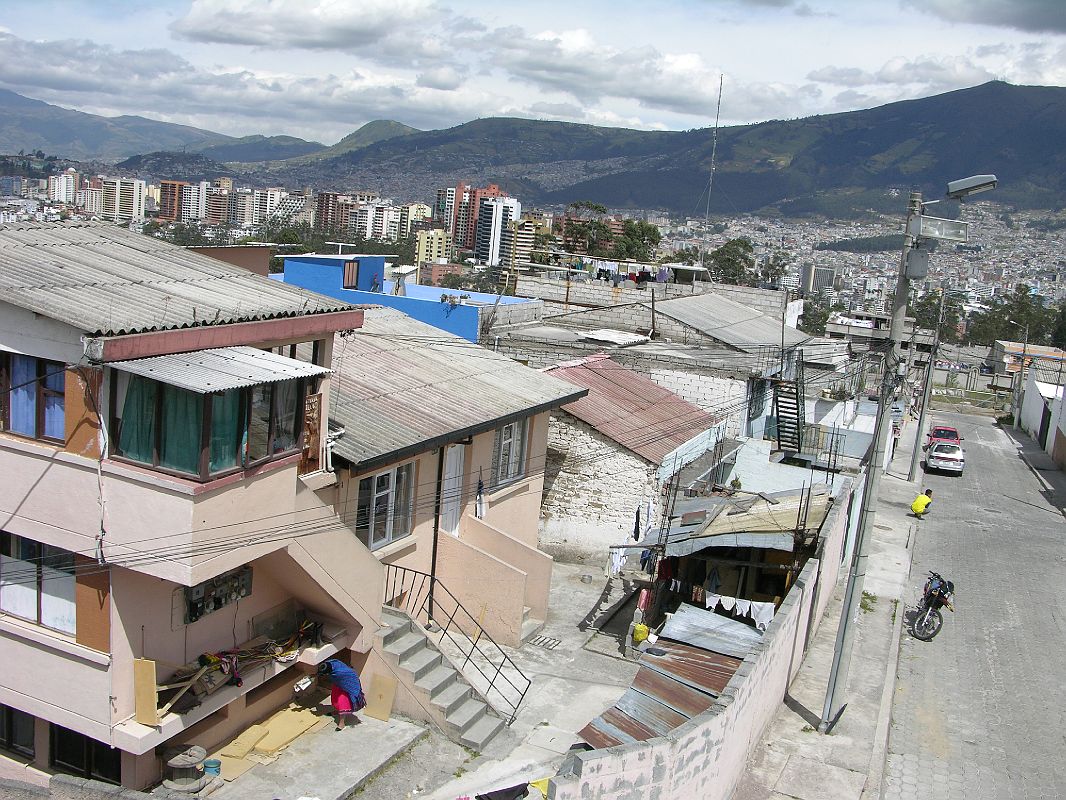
(426, 599)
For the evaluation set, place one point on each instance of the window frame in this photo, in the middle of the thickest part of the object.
(40, 560)
(90, 748)
(408, 467)
(304, 386)
(519, 429)
(43, 368)
(7, 728)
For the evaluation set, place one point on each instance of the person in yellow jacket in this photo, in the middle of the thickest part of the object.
(921, 503)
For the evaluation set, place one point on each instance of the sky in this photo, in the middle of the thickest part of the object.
(319, 69)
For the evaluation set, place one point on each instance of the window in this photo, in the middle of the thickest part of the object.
(79, 755)
(509, 452)
(16, 731)
(33, 390)
(37, 582)
(384, 512)
(204, 436)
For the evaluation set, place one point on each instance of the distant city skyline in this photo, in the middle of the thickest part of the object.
(319, 69)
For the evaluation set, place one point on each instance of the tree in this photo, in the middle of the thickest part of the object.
(774, 268)
(733, 262)
(1010, 317)
(926, 312)
(815, 315)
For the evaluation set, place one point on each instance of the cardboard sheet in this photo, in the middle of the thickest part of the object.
(283, 727)
(232, 768)
(380, 696)
(243, 744)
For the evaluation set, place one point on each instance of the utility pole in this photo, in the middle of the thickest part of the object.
(927, 391)
(838, 675)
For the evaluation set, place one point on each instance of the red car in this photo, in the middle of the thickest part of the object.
(942, 433)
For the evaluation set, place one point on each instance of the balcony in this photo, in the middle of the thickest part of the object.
(54, 497)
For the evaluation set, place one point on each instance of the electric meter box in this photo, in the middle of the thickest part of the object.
(217, 593)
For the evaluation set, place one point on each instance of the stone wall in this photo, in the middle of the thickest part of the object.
(706, 756)
(592, 488)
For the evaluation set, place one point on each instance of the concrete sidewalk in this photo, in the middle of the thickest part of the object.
(793, 760)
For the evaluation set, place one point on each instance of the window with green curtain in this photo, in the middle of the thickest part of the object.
(182, 426)
(259, 423)
(286, 397)
(225, 430)
(137, 432)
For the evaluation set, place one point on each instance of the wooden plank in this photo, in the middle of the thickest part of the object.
(380, 696)
(283, 727)
(145, 699)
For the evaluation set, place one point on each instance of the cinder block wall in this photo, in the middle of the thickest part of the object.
(706, 756)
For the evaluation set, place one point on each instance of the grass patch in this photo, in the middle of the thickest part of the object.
(868, 601)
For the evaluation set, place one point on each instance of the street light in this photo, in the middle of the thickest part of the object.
(1021, 373)
(914, 263)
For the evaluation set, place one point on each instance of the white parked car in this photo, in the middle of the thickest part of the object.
(945, 457)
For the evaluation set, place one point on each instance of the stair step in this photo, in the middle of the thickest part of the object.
(421, 662)
(437, 680)
(530, 628)
(468, 712)
(407, 645)
(482, 732)
(452, 697)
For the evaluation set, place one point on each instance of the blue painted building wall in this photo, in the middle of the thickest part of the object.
(325, 275)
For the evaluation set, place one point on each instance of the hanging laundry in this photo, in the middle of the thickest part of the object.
(762, 613)
(618, 560)
(647, 517)
(713, 581)
(710, 600)
(479, 501)
(743, 607)
(728, 603)
(637, 530)
(642, 599)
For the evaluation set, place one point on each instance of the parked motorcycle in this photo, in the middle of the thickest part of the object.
(937, 594)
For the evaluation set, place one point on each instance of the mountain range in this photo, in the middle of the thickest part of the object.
(837, 164)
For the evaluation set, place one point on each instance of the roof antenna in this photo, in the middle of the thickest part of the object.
(710, 179)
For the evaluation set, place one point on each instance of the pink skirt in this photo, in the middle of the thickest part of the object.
(342, 703)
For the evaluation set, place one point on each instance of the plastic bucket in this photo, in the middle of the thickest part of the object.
(212, 766)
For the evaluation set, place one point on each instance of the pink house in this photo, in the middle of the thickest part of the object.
(177, 488)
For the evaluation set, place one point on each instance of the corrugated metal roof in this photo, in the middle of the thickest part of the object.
(729, 321)
(630, 408)
(206, 371)
(710, 631)
(105, 280)
(403, 387)
(671, 687)
(1045, 371)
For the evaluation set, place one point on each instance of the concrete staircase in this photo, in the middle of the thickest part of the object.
(457, 709)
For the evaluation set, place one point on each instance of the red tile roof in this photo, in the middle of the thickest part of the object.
(630, 408)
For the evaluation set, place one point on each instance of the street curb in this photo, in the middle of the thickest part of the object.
(879, 757)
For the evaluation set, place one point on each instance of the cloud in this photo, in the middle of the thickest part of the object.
(1038, 16)
(377, 29)
(445, 78)
(933, 73)
(106, 80)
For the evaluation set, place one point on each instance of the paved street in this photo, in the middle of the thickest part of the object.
(978, 712)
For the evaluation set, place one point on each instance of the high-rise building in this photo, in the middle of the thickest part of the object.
(457, 210)
(265, 201)
(816, 277)
(63, 188)
(409, 215)
(432, 246)
(170, 199)
(217, 210)
(122, 199)
(494, 217)
(194, 201)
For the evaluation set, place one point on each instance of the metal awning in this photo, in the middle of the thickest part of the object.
(216, 370)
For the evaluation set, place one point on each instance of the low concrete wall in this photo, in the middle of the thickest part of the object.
(536, 565)
(491, 590)
(706, 756)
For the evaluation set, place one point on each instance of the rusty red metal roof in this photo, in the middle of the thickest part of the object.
(668, 689)
(630, 408)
